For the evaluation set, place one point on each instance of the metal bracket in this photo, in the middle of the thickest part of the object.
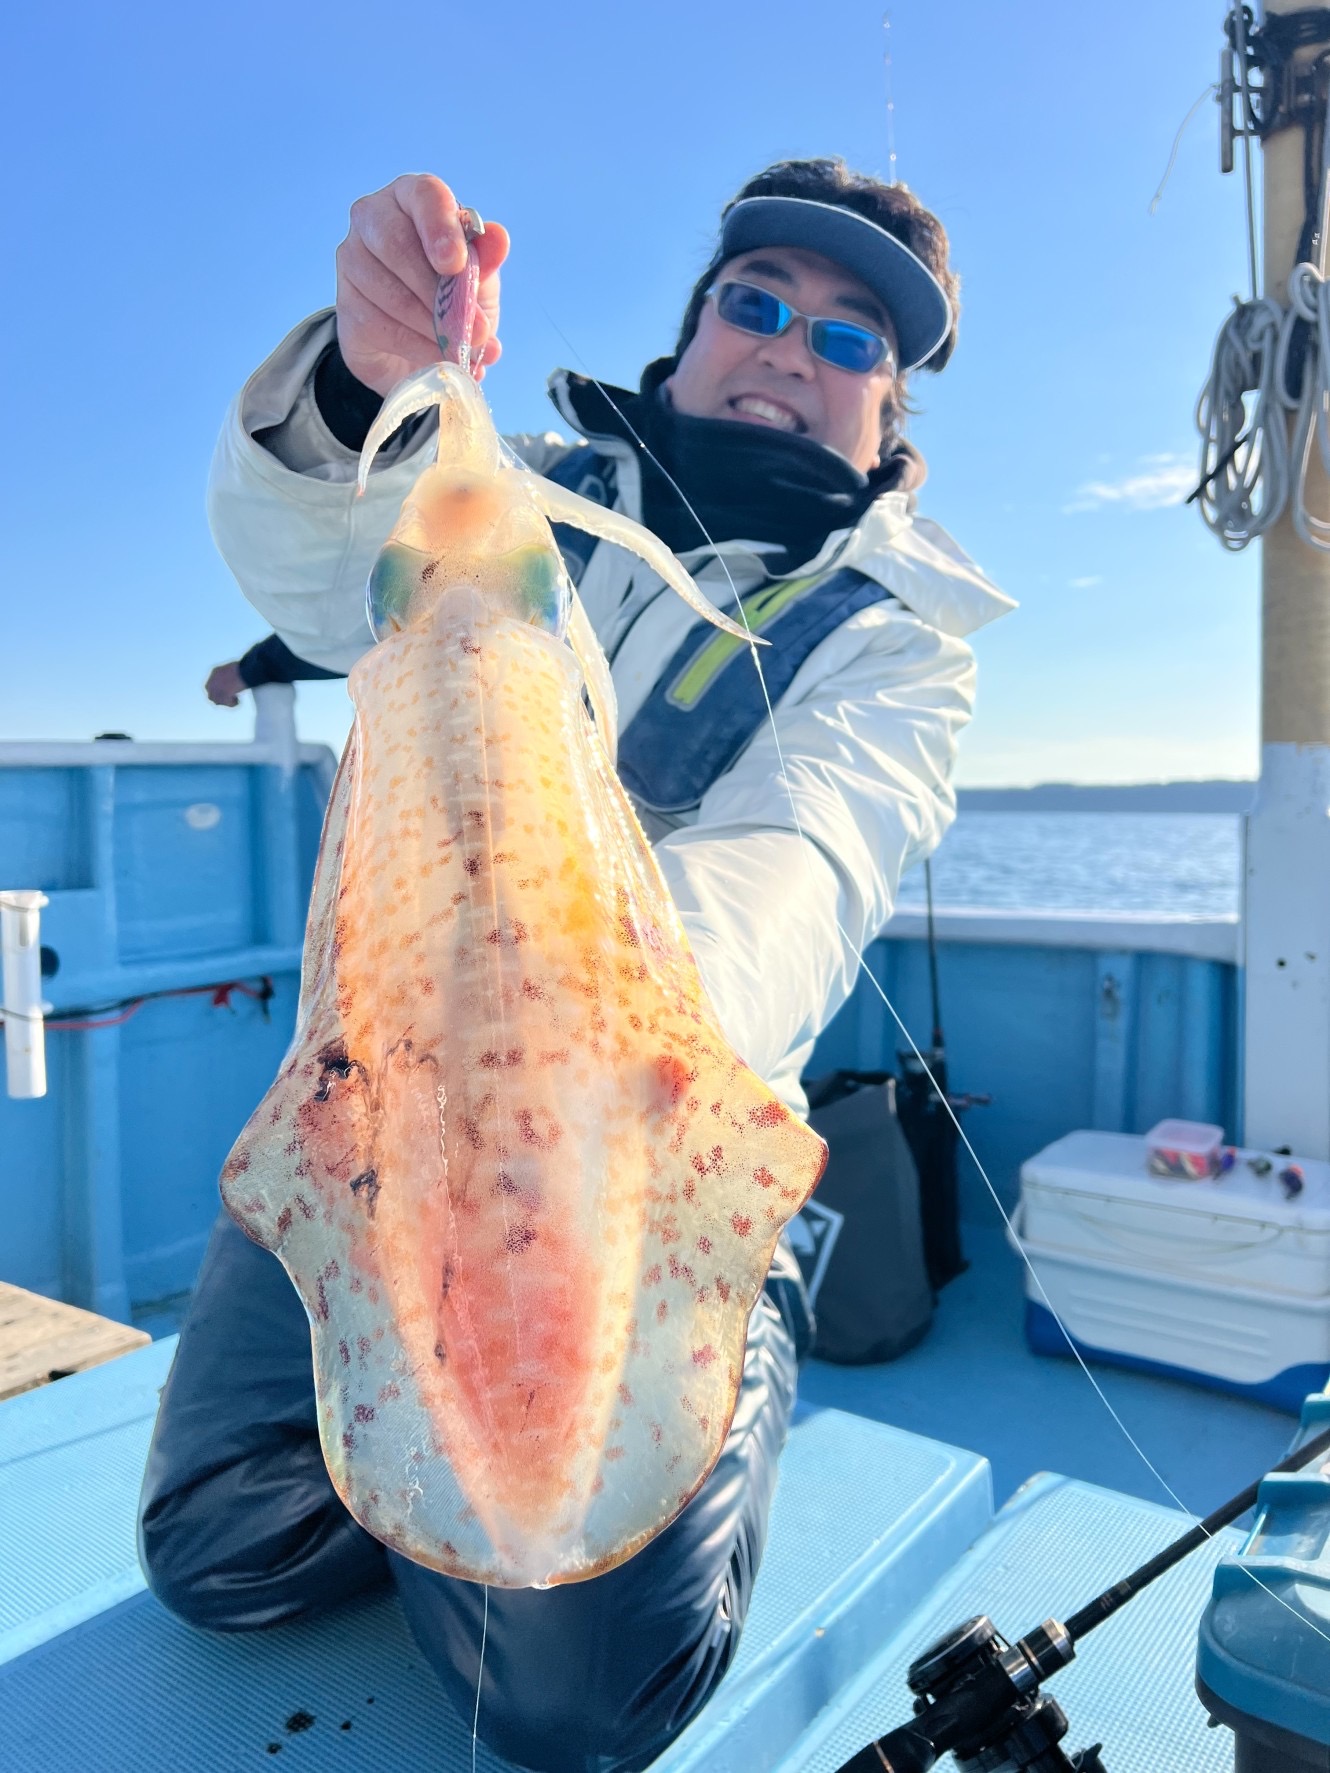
(21, 992)
(1263, 86)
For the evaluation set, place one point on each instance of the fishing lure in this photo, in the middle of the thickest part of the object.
(525, 1188)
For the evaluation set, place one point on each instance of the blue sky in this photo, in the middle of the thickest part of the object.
(176, 181)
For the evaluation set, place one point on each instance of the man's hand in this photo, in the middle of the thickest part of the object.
(401, 241)
(225, 684)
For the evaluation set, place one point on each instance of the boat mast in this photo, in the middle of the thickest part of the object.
(1286, 898)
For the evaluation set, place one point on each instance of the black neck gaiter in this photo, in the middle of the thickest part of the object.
(744, 482)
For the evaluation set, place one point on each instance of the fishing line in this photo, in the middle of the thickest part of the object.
(851, 945)
(480, 1675)
(1012, 1236)
(1205, 93)
(891, 103)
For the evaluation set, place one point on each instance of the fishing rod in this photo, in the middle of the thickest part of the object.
(978, 1696)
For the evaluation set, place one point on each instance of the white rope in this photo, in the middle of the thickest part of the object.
(1209, 91)
(1249, 473)
(1244, 440)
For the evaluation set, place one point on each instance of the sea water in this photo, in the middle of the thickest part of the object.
(1162, 863)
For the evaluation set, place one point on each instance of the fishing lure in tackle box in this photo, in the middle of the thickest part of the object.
(526, 1190)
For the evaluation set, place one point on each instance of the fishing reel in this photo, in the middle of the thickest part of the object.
(978, 1696)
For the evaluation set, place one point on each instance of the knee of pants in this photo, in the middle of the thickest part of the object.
(183, 1581)
(599, 1677)
(572, 1681)
(228, 1560)
(592, 1723)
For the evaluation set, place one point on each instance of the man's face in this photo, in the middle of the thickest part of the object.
(728, 374)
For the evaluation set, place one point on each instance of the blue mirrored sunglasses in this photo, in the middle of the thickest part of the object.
(840, 343)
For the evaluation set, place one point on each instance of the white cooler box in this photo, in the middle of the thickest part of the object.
(1223, 1282)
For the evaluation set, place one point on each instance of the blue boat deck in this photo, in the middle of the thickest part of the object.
(975, 1383)
(880, 1540)
(75, 1617)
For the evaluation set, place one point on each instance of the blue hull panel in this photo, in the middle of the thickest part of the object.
(171, 877)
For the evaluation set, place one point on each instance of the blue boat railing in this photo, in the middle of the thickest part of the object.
(1067, 1019)
(178, 876)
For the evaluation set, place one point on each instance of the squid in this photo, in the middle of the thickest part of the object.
(525, 1188)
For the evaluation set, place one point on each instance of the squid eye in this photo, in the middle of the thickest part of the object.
(398, 573)
(540, 586)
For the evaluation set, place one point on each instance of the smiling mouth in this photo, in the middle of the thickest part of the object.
(766, 412)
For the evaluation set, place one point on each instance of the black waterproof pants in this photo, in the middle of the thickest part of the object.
(240, 1527)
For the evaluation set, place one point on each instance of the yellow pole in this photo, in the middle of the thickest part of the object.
(1286, 910)
(1295, 578)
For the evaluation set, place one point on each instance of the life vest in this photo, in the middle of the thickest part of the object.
(708, 702)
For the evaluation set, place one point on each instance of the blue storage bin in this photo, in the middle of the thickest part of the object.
(1263, 1657)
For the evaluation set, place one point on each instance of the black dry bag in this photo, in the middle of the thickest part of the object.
(859, 1240)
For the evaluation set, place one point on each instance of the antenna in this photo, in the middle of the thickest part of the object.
(891, 103)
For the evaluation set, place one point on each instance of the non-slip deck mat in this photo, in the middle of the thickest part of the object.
(866, 1520)
(1053, 1548)
(974, 1382)
(71, 1461)
(122, 1390)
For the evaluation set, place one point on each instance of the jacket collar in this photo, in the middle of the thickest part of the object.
(589, 409)
(910, 556)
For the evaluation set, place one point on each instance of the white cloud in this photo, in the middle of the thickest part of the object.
(1159, 481)
(1086, 583)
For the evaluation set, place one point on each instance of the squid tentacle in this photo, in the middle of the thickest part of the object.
(445, 386)
(562, 506)
(596, 676)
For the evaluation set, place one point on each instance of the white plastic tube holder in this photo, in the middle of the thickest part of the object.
(21, 996)
(275, 723)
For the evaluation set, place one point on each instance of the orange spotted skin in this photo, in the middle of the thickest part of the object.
(526, 1190)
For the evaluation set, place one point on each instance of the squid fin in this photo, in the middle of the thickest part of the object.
(596, 674)
(562, 506)
(321, 922)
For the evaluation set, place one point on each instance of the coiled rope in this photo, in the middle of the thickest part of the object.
(1271, 361)
(1244, 462)
(1249, 471)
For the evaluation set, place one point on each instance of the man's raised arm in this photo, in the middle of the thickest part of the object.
(281, 495)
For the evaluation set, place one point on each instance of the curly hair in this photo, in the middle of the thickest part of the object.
(893, 207)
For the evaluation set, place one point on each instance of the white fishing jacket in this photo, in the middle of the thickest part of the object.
(791, 863)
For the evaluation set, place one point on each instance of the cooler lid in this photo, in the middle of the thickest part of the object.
(1115, 1164)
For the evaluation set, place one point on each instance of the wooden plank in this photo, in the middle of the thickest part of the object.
(42, 1339)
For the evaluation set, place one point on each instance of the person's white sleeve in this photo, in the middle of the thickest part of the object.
(285, 513)
(301, 542)
(793, 864)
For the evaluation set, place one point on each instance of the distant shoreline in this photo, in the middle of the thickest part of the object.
(1141, 797)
